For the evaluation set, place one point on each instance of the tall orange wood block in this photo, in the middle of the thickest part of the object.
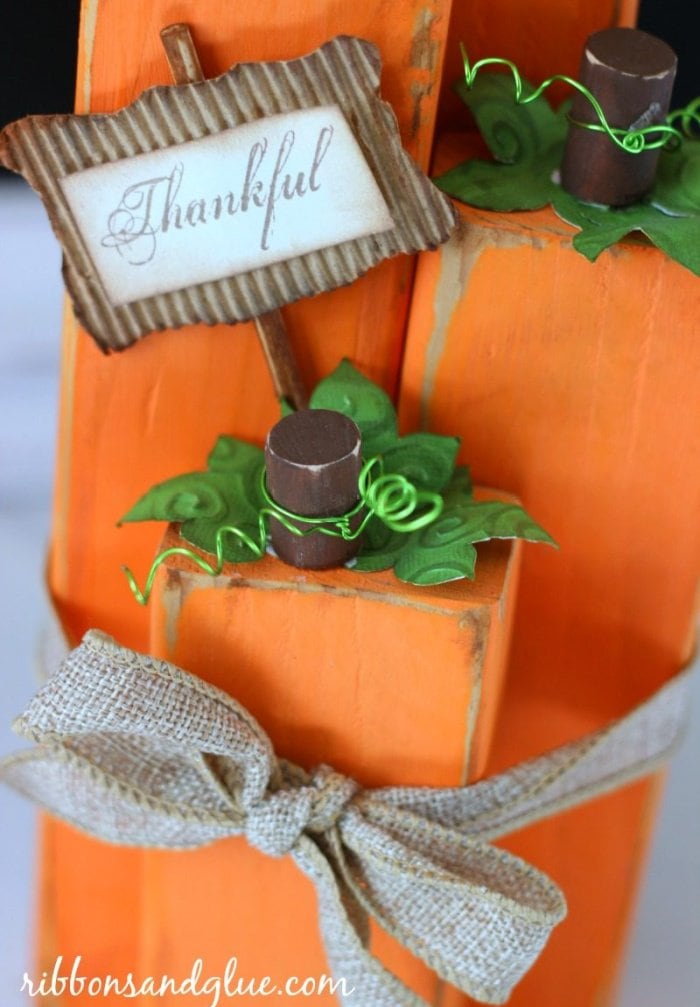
(387, 682)
(130, 419)
(572, 383)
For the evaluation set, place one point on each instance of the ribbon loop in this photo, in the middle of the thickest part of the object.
(137, 751)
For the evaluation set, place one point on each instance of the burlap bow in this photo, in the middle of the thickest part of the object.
(136, 751)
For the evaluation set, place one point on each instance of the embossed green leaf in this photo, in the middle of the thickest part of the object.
(203, 532)
(444, 550)
(505, 188)
(194, 495)
(486, 519)
(437, 554)
(230, 494)
(601, 227)
(528, 140)
(203, 502)
(231, 455)
(242, 465)
(380, 547)
(426, 459)
(677, 185)
(351, 393)
(514, 133)
(460, 490)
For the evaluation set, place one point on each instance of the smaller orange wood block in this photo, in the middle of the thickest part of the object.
(390, 683)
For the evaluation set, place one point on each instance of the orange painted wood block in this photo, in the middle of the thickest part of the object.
(130, 419)
(89, 906)
(573, 384)
(541, 37)
(144, 415)
(389, 683)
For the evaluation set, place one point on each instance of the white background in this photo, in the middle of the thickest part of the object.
(663, 968)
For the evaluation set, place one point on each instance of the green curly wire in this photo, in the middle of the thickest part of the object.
(633, 141)
(390, 497)
(689, 117)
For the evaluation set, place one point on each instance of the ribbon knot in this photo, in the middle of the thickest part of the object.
(332, 792)
(304, 804)
(136, 751)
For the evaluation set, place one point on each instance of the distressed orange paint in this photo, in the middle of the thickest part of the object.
(565, 387)
(570, 382)
(321, 659)
(130, 419)
(127, 419)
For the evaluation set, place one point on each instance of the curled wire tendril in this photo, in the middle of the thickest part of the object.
(391, 497)
(633, 141)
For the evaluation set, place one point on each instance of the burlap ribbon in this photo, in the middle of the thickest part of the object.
(136, 751)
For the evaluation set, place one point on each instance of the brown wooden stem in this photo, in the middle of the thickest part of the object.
(313, 459)
(183, 60)
(631, 74)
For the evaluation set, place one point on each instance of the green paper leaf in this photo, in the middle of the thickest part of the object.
(601, 227)
(677, 186)
(426, 459)
(487, 519)
(444, 551)
(203, 533)
(439, 553)
(194, 495)
(506, 188)
(286, 408)
(351, 393)
(460, 490)
(678, 237)
(528, 139)
(515, 134)
(380, 547)
(243, 501)
(229, 493)
(232, 455)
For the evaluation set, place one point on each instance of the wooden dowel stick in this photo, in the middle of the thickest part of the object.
(280, 358)
(181, 53)
(183, 60)
(312, 460)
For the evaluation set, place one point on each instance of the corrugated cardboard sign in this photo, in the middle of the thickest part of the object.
(222, 200)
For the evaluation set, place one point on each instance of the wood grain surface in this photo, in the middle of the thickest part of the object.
(130, 420)
(574, 384)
